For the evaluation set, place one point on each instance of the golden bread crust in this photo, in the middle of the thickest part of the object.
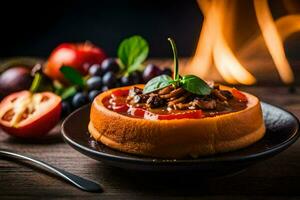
(176, 138)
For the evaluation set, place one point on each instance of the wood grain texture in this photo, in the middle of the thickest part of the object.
(275, 178)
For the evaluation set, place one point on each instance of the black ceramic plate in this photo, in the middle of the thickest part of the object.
(282, 131)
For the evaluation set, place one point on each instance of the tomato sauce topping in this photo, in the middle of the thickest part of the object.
(174, 103)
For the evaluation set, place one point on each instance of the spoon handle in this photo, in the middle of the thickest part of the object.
(75, 180)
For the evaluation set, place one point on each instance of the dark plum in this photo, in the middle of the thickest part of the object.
(95, 70)
(167, 71)
(66, 108)
(109, 79)
(110, 65)
(150, 72)
(94, 83)
(15, 79)
(92, 94)
(79, 100)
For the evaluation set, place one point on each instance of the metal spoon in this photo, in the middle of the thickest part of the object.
(77, 181)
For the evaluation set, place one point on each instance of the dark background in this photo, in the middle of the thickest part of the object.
(30, 28)
(34, 28)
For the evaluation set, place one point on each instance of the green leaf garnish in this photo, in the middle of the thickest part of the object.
(132, 52)
(195, 85)
(190, 83)
(36, 83)
(157, 83)
(72, 75)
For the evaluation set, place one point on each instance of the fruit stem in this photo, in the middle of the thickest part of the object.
(36, 82)
(174, 49)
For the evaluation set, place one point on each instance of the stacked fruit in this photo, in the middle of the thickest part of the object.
(76, 74)
(127, 69)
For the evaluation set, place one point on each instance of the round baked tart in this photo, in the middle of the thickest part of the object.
(176, 117)
(150, 130)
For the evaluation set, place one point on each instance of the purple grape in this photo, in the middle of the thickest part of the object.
(150, 72)
(94, 83)
(109, 80)
(110, 65)
(95, 70)
(66, 108)
(92, 94)
(79, 100)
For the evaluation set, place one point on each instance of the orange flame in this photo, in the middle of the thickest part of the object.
(214, 48)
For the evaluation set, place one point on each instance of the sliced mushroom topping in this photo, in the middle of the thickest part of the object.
(173, 93)
(219, 95)
(135, 91)
(227, 94)
(135, 96)
(166, 90)
(140, 98)
(179, 99)
(206, 105)
(154, 101)
(182, 106)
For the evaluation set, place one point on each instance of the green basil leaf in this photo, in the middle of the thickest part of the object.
(195, 85)
(157, 83)
(68, 92)
(72, 75)
(132, 52)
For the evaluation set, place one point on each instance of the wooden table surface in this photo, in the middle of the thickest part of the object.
(275, 178)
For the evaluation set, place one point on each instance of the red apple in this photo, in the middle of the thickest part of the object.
(79, 56)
